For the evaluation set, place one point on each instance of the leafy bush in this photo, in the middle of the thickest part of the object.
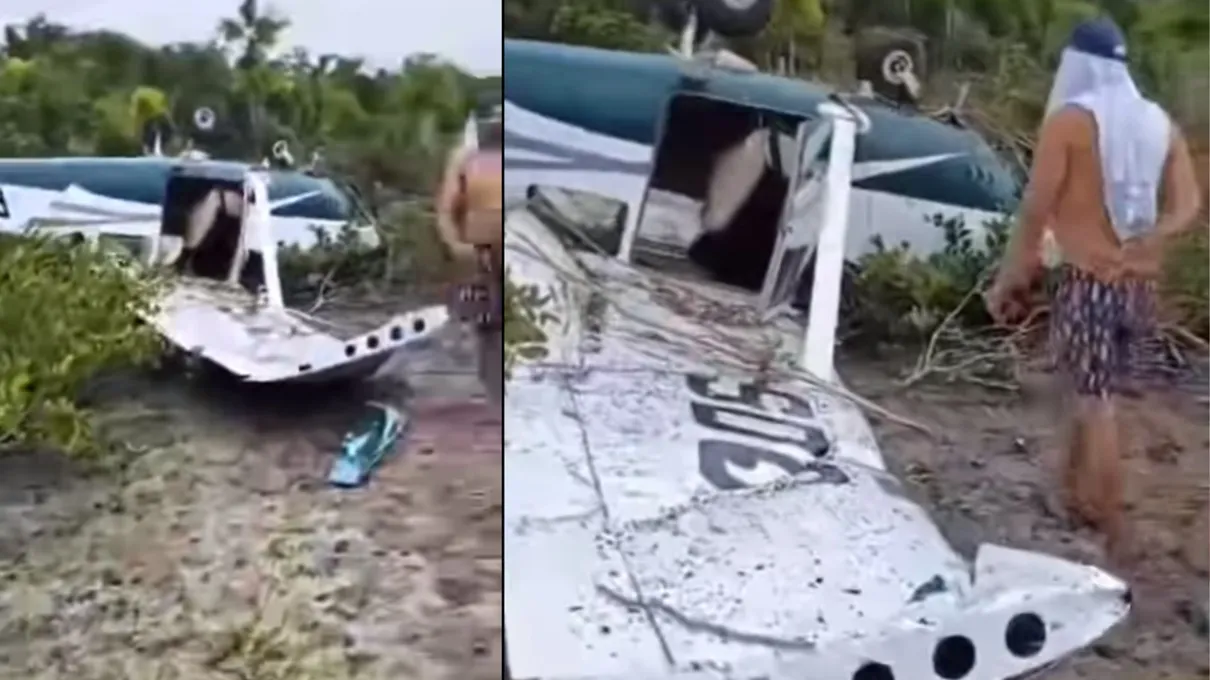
(897, 296)
(412, 255)
(66, 314)
(524, 316)
(1186, 285)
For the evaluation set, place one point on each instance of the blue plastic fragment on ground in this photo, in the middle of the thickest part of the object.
(366, 446)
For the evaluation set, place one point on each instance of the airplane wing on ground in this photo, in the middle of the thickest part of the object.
(672, 511)
(263, 344)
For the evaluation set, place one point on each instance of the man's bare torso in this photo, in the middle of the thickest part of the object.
(483, 197)
(1080, 223)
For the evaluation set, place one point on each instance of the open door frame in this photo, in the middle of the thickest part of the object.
(816, 227)
(799, 219)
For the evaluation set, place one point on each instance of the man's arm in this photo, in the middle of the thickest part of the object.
(448, 197)
(1181, 198)
(1047, 177)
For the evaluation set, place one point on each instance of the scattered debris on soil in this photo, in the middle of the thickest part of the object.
(219, 550)
(984, 475)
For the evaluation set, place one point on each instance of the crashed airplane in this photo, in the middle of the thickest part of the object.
(690, 491)
(216, 226)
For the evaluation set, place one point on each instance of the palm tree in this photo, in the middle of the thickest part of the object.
(251, 34)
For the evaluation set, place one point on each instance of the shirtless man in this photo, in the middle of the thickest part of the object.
(1113, 181)
(470, 218)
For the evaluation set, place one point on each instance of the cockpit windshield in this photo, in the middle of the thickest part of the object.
(297, 194)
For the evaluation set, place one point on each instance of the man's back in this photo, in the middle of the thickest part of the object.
(1080, 221)
(483, 197)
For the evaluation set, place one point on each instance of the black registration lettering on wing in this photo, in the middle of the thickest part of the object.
(716, 458)
(3, 206)
(750, 396)
(812, 440)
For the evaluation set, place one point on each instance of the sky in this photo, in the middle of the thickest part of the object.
(467, 32)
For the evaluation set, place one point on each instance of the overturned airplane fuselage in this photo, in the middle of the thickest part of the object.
(214, 239)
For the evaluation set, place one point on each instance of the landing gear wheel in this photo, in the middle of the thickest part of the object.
(891, 61)
(895, 64)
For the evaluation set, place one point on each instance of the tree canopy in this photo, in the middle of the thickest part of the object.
(1169, 38)
(70, 92)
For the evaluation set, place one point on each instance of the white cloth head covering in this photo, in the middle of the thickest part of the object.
(1133, 133)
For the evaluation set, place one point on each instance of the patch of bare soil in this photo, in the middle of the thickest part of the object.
(983, 475)
(220, 552)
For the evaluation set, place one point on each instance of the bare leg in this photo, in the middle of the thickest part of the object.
(1063, 462)
(1100, 479)
(491, 364)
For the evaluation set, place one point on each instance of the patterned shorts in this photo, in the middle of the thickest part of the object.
(481, 300)
(1098, 331)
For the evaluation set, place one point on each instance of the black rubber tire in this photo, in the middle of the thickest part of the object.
(875, 45)
(734, 18)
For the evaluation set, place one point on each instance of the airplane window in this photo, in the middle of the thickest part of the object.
(874, 671)
(954, 657)
(330, 203)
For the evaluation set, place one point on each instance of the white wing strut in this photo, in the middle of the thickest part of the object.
(819, 346)
(258, 228)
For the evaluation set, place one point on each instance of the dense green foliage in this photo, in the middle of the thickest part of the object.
(75, 93)
(65, 315)
(898, 296)
(525, 315)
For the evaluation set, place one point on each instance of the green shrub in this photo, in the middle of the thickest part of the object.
(1186, 284)
(524, 316)
(897, 296)
(66, 314)
(412, 255)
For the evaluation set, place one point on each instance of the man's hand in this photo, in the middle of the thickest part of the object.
(1149, 247)
(461, 251)
(1004, 301)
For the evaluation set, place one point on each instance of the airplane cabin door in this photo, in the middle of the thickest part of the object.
(801, 218)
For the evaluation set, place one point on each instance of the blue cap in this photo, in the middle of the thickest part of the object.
(1100, 38)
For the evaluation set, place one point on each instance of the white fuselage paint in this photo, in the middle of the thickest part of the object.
(895, 218)
(95, 213)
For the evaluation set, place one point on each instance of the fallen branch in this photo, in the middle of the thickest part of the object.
(971, 355)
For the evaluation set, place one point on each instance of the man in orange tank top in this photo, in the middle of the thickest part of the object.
(470, 219)
(1112, 180)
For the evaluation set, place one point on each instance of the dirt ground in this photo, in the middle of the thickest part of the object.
(219, 551)
(983, 474)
